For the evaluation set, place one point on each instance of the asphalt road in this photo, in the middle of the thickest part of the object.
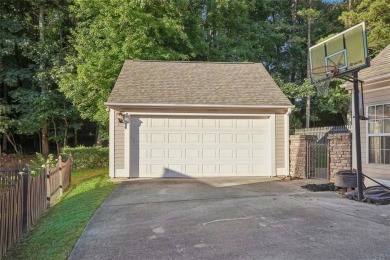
(232, 219)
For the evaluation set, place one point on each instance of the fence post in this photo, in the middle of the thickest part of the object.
(59, 163)
(19, 165)
(25, 202)
(48, 183)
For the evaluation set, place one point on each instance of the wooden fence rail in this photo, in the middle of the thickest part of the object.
(24, 198)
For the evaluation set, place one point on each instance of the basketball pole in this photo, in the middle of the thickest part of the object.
(357, 135)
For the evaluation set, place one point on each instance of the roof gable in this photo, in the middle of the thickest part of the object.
(196, 83)
(379, 66)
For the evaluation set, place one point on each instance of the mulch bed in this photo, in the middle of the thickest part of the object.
(319, 187)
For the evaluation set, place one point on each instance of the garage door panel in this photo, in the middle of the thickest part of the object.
(226, 123)
(192, 153)
(157, 170)
(209, 138)
(243, 169)
(192, 138)
(175, 122)
(158, 122)
(209, 123)
(209, 169)
(209, 153)
(226, 169)
(243, 123)
(192, 168)
(226, 138)
(226, 153)
(175, 153)
(195, 147)
(157, 153)
(157, 138)
(175, 138)
(243, 138)
(189, 123)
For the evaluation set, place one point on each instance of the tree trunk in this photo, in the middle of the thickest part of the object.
(294, 11)
(45, 139)
(76, 141)
(66, 132)
(308, 71)
(41, 23)
(4, 145)
(55, 137)
(98, 135)
(12, 142)
(345, 118)
(44, 131)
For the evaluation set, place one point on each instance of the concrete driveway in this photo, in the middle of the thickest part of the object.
(245, 218)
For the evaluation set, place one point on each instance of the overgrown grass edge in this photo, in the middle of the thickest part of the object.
(56, 233)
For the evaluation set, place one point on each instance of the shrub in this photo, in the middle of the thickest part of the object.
(87, 157)
(38, 165)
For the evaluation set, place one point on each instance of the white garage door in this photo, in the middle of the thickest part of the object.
(199, 147)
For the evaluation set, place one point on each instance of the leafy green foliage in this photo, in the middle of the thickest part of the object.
(55, 234)
(336, 101)
(87, 157)
(110, 32)
(40, 163)
(8, 123)
(54, 74)
(376, 14)
(327, 109)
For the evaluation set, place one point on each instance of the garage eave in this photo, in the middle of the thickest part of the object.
(120, 106)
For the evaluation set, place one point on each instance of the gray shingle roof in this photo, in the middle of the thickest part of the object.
(196, 83)
(380, 65)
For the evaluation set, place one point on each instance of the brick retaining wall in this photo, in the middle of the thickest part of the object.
(340, 153)
(298, 154)
(339, 150)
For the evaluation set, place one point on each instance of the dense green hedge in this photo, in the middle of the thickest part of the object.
(87, 157)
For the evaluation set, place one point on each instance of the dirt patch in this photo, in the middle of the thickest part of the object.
(319, 187)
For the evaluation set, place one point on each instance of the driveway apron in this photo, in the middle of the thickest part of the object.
(232, 218)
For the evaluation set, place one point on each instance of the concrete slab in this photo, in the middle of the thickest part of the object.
(232, 219)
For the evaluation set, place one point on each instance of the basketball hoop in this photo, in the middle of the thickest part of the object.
(321, 78)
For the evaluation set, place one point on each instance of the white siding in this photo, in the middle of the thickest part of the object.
(279, 141)
(379, 171)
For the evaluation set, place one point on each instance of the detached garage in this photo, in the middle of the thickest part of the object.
(197, 119)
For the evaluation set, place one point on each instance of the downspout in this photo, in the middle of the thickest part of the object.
(287, 141)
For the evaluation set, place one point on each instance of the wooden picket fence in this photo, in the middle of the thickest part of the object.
(9, 177)
(27, 197)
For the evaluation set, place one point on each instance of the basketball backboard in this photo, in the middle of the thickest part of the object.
(339, 55)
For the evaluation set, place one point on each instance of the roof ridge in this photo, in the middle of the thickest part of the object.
(213, 62)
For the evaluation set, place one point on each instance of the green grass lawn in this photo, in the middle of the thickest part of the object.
(55, 234)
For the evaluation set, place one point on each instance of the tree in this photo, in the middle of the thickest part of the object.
(46, 20)
(336, 102)
(376, 14)
(309, 15)
(110, 32)
(33, 43)
(8, 124)
(297, 93)
(14, 71)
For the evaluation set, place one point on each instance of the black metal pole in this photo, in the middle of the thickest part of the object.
(357, 135)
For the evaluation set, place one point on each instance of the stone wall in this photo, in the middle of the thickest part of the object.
(340, 153)
(298, 154)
